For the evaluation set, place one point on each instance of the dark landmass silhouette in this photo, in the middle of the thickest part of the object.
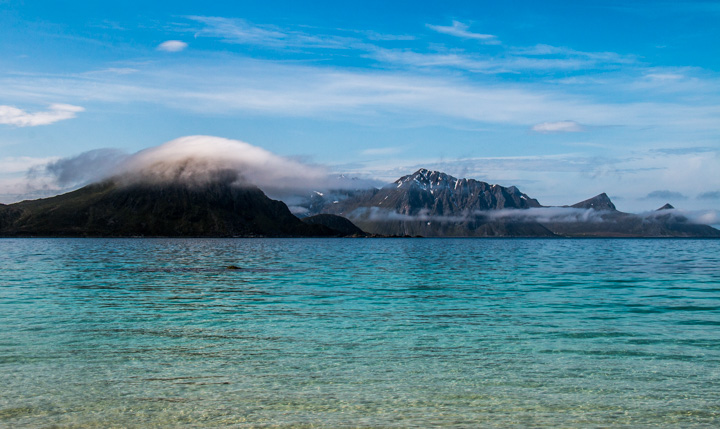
(425, 203)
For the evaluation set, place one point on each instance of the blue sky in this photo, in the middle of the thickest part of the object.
(562, 99)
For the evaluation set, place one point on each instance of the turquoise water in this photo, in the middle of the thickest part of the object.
(359, 332)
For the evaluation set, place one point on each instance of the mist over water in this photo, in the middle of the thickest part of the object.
(346, 333)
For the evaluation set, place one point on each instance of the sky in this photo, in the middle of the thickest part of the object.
(564, 100)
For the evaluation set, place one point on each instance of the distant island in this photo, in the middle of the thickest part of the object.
(425, 203)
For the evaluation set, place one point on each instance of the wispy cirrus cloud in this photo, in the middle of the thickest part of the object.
(368, 44)
(459, 29)
(506, 63)
(558, 127)
(241, 31)
(275, 88)
(382, 151)
(542, 50)
(711, 195)
(665, 195)
(11, 115)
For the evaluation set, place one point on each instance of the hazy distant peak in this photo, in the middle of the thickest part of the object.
(598, 202)
(667, 206)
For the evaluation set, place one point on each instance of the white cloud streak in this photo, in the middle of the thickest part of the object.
(476, 64)
(172, 46)
(10, 115)
(548, 50)
(539, 214)
(458, 29)
(381, 151)
(273, 88)
(558, 127)
(240, 31)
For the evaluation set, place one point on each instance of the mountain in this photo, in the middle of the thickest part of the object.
(113, 209)
(434, 204)
(604, 220)
(337, 223)
(430, 193)
(598, 202)
(425, 203)
(619, 224)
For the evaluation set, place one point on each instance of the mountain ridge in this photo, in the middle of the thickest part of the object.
(433, 203)
(110, 209)
(425, 203)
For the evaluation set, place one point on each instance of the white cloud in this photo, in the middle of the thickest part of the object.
(548, 50)
(538, 214)
(172, 46)
(80, 170)
(382, 151)
(113, 70)
(194, 160)
(58, 112)
(282, 89)
(478, 64)
(199, 159)
(16, 185)
(458, 29)
(664, 77)
(21, 164)
(558, 127)
(240, 31)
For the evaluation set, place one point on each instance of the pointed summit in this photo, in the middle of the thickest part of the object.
(598, 202)
(427, 180)
(667, 206)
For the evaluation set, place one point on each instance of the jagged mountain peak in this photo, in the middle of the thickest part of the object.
(598, 202)
(667, 206)
(431, 193)
(426, 179)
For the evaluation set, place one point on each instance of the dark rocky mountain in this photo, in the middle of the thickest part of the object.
(431, 203)
(598, 202)
(619, 224)
(426, 203)
(337, 223)
(217, 209)
(425, 192)
(667, 206)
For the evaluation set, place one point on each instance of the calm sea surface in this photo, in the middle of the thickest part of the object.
(359, 332)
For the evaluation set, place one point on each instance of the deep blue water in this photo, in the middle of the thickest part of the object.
(359, 332)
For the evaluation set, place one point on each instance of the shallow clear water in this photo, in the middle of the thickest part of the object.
(359, 332)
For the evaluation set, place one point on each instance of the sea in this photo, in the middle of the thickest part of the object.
(342, 333)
